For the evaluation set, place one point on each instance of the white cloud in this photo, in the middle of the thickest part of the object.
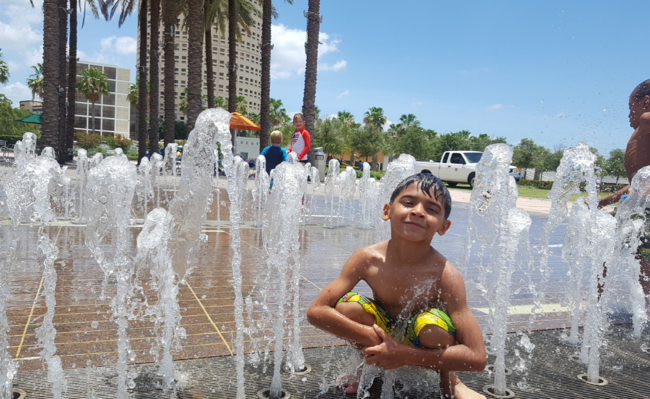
(33, 57)
(335, 67)
(124, 45)
(16, 35)
(288, 54)
(345, 93)
(16, 92)
(18, 16)
(495, 106)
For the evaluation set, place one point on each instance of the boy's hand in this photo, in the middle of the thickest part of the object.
(387, 354)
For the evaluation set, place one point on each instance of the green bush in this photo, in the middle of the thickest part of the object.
(87, 141)
(118, 142)
(547, 185)
(132, 155)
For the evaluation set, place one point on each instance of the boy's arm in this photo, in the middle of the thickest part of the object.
(322, 314)
(468, 355)
(613, 198)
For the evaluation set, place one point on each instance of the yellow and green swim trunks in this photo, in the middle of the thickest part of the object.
(385, 321)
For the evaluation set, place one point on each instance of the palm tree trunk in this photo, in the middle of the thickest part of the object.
(232, 61)
(142, 82)
(72, 78)
(154, 76)
(311, 69)
(208, 59)
(92, 113)
(265, 116)
(194, 62)
(51, 75)
(61, 153)
(170, 97)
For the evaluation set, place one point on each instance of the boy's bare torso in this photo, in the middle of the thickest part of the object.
(637, 154)
(406, 289)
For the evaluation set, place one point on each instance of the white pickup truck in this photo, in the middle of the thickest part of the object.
(457, 167)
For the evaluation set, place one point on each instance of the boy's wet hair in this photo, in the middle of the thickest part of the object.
(642, 90)
(425, 182)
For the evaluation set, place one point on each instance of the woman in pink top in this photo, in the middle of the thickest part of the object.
(300, 141)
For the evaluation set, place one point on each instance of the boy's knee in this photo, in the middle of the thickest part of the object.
(354, 311)
(435, 337)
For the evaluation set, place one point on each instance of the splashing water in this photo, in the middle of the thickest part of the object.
(631, 217)
(147, 189)
(576, 166)
(30, 191)
(281, 225)
(82, 171)
(169, 167)
(331, 191)
(156, 173)
(109, 194)
(368, 195)
(397, 170)
(493, 216)
(221, 119)
(261, 191)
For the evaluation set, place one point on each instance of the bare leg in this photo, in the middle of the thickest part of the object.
(353, 311)
(434, 337)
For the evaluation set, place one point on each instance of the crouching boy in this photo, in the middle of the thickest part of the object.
(418, 314)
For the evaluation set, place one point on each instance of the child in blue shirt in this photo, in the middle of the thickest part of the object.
(274, 153)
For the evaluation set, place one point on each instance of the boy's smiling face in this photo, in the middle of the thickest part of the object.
(416, 216)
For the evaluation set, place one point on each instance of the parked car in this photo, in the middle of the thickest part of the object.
(457, 167)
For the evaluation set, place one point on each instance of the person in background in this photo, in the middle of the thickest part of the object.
(300, 141)
(273, 153)
(637, 156)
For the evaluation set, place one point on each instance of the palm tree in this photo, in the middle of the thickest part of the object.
(217, 12)
(408, 120)
(219, 102)
(232, 61)
(51, 75)
(195, 19)
(4, 71)
(266, 123)
(63, 41)
(143, 98)
(154, 75)
(35, 81)
(346, 117)
(92, 85)
(72, 79)
(311, 70)
(277, 114)
(169, 19)
(242, 105)
(375, 117)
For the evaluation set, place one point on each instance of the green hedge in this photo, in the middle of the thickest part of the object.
(547, 185)
(11, 139)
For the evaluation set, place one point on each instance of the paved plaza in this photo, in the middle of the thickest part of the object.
(86, 335)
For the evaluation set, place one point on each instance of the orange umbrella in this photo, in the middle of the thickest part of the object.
(239, 121)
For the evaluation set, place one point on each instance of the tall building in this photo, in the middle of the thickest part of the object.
(32, 106)
(112, 110)
(249, 61)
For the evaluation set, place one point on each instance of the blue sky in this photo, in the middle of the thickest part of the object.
(556, 72)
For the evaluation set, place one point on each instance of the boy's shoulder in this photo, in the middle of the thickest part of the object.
(368, 256)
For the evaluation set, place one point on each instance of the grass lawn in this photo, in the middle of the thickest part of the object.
(531, 192)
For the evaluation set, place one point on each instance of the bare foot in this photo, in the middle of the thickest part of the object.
(349, 382)
(463, 392)
(452, 387)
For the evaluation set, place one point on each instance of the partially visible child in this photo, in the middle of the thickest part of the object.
(300, 141)
(418, 314)
(274, 153)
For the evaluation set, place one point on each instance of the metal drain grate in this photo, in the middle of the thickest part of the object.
(550, 374)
